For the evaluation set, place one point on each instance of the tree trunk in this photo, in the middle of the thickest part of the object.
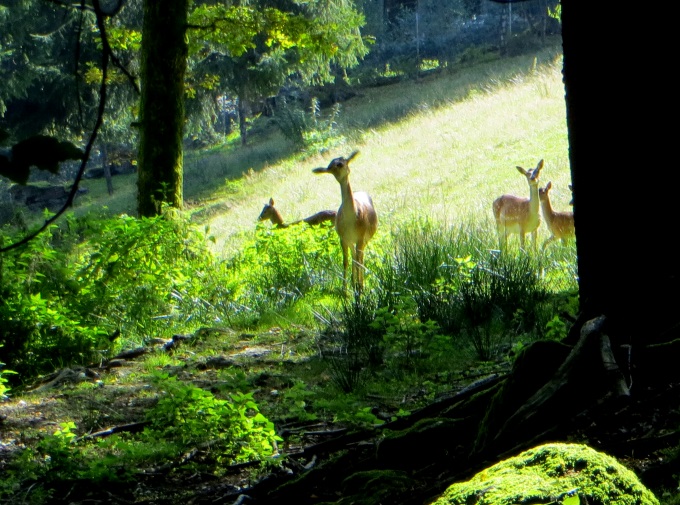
(624, 210)
(164, 61)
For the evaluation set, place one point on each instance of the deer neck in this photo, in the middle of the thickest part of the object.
(547, 210)
(276, 218)
(347, 195)
(534, 217)
(533, 200)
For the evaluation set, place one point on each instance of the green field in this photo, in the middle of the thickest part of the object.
(440, 148)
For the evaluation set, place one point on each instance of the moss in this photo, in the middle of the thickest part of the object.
(474, 406)
(545, 473)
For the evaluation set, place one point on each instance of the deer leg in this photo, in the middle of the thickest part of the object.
(502, 237)
(355, 269)
(345, 262)
(360, 265)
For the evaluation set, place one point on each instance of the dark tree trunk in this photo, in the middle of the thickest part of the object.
(620, 149)
(164, 61)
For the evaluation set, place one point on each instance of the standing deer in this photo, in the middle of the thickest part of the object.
(560, 224)
(356, 221)
(514, 214)
(272, 213)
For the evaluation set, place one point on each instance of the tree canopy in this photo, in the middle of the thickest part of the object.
(245, 49)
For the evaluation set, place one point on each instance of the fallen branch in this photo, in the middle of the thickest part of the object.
(123, 428)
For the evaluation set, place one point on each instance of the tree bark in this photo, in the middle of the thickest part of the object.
(619, 146)
(164, 61)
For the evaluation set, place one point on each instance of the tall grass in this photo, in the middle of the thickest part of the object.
(457, 278)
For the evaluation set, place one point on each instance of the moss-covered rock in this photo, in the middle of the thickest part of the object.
(552, 474)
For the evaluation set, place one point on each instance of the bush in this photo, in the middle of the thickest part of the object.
(235, 428)
(71, 287)
(309, 130)
(280, 266)
(40, 326)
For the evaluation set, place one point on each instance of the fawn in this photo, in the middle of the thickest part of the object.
(356, 222)
(514, 214)
(272, 213)
(560, 224)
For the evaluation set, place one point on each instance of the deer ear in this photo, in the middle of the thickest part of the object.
(521, 170)
(549, 185)
(271, 202)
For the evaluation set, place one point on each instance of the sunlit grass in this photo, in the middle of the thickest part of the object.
(158, 361)
(446, 159)
(436, 151)
(442, 148)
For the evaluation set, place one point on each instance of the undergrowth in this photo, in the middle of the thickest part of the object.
(435, 296)
(229, 431)
(70, 294)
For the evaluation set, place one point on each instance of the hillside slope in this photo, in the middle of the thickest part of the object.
(446, 161)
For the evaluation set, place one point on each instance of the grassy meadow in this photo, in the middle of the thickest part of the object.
(441, 148)
(446, 157)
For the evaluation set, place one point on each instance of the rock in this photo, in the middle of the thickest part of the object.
(552, 473)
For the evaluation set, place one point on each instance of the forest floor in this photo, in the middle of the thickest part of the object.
(641, 432)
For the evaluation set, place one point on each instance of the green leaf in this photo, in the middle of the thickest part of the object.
(571, 500)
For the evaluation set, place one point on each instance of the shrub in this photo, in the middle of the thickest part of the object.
(309, 130)
(71, 287)
(236, 428)
(40, 326)
(281, 265)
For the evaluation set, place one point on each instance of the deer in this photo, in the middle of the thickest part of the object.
(514, 214)
(560, 224)
(356, 221)
(270, 212)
